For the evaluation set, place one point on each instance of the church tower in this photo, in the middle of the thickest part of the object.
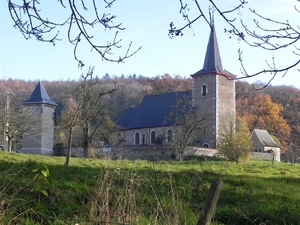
(41, 107)
(213, 94)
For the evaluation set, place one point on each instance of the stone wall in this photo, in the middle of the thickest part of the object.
(37, 151)
(218, 104)
(40, 140)
(168, 153)
(206, 105)
(144, 153)
(153, 153)
(47, 126)
(265, 156)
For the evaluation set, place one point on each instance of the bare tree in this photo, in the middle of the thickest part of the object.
(87, 110)
(71, 120)
(15, 120)
(187, 122)
(95, 112)
(292, 155)
(268, 34)
(81, 19)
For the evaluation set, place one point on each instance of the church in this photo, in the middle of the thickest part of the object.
(213, 92)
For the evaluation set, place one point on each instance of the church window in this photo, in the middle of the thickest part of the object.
(204, 90)
(206, 145)
(170, 136)
(153, 136)
(137, 138)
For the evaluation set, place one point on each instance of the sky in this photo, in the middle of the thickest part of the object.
(147, 24)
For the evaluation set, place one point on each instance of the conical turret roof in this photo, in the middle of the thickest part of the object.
(212, 61)
(39, 96)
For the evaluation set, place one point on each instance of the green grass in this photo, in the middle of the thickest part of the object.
(91, 191)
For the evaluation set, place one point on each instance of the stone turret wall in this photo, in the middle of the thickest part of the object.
(218, 104)
(206, 105)
(40, 140)
(47, 127)
(225, 105)
(33, 139)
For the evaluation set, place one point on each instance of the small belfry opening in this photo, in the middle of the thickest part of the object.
(204, 90)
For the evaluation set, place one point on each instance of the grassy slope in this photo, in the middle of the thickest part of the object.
(141, 192)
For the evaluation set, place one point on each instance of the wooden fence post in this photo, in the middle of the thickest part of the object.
(210, 204)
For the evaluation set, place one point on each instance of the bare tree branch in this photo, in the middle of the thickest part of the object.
(268, 34)
(31, 21)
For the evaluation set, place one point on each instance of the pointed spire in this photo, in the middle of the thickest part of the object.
(212, 61)
(39, 96)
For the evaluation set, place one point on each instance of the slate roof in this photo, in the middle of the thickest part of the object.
(127, 116)
(265, 138)
(152, 112)
(39, 96)
(212, 61)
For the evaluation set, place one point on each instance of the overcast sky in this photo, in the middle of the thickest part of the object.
(146, 24)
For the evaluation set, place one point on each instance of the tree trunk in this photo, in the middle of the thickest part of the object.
(180, 152)
(88, 151)
(180, 156)
(210, 204)
(69, 147)
(4, 137)
(9, 145)
(87, 148)
(237, 160)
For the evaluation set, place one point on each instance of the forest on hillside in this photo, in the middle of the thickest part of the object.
(274, 108)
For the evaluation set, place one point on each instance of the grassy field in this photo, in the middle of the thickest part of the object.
(93, 191)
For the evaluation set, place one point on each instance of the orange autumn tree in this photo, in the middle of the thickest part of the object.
(261, 113)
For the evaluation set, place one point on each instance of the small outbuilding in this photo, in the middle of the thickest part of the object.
(264, 143)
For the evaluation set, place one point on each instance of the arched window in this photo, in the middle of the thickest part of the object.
(170, 136)
(206, 145)
(152, 137)
(204, 90)
(137, 138)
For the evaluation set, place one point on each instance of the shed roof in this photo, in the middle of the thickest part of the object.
(264, 137)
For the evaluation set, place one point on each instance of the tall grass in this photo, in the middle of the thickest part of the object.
(93, 191)
(129, 197)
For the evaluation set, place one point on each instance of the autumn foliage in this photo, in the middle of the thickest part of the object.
(260, 112)
(274, 108)
(234, 142)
